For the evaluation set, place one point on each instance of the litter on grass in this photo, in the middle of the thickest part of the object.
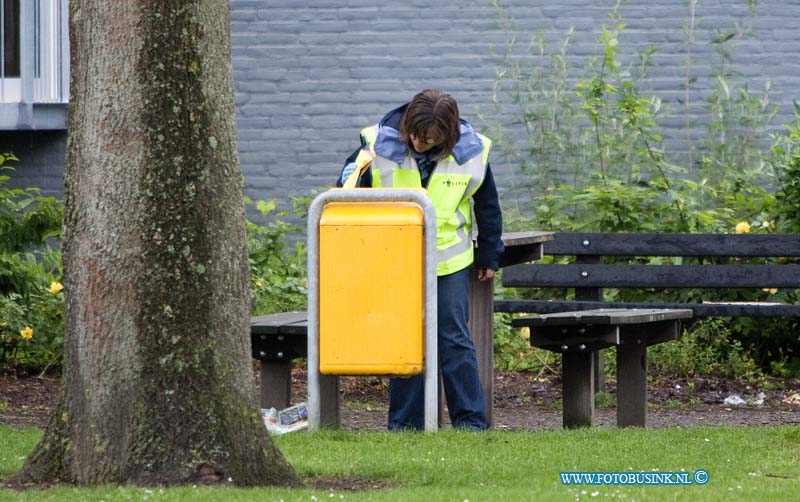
(291, 419)
(737, 400)
(793, 399)
(734, 399)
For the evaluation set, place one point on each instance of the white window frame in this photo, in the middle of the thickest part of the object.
(44, 48)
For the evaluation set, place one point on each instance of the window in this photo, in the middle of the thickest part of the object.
(10, 28)
(34, 50)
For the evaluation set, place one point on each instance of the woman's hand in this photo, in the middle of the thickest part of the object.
(485, 274)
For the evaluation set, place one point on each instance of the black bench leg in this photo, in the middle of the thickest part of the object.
(276, 384)
(577, 376)
(329, 402)
(632, 384)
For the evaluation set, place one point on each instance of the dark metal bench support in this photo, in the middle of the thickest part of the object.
(632, 384)
(577, 377)
(276, 384)
(329, 402)
(632, 368)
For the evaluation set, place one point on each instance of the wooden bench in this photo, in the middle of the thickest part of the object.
(279, 338)
(701, 261)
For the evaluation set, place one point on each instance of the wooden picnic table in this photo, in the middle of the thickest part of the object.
(579, 335)
(279, 338)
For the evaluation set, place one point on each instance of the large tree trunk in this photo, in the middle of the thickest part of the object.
(157, 384)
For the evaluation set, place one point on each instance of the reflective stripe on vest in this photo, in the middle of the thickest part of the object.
(451, 187)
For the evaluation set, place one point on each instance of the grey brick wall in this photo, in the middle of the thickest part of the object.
(41, 163)
(310, 74)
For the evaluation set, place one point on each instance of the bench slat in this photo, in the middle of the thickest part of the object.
(702, 310)
(620, 244)
(613, 316)
(653, 276)
(287, 323)
(522, 247)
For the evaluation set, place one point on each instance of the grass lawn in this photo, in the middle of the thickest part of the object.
(742, 463)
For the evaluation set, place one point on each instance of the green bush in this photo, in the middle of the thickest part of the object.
(512, 348)
(31, 301)
(513, 351)
(277, 270)
(31, 298)
(707, 349)
(26, 218)
(32, 330)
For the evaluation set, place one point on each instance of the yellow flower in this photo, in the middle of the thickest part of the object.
(771, 291)
(26, 333)
(742, 227)
(55, 287)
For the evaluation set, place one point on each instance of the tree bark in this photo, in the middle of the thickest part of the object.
(157, 380)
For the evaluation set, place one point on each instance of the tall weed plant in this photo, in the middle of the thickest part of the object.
(783, 347)
(587, 143)
(785, 161)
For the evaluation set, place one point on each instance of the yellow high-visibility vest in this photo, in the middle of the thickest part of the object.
(451, 187)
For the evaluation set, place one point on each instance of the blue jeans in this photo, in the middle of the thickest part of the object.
(457, 362)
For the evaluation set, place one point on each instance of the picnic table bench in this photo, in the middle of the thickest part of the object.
(706, 262)
(279, 338)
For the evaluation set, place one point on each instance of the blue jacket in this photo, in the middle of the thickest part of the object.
(488, 217)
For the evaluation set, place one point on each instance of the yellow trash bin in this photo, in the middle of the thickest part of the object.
(371, 297)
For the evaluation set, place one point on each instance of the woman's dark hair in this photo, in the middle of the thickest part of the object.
(432, 115)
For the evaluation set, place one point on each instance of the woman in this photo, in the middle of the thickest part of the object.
(425, 144)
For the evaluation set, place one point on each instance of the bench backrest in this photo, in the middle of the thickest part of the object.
(590, 272)
(621, 244)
